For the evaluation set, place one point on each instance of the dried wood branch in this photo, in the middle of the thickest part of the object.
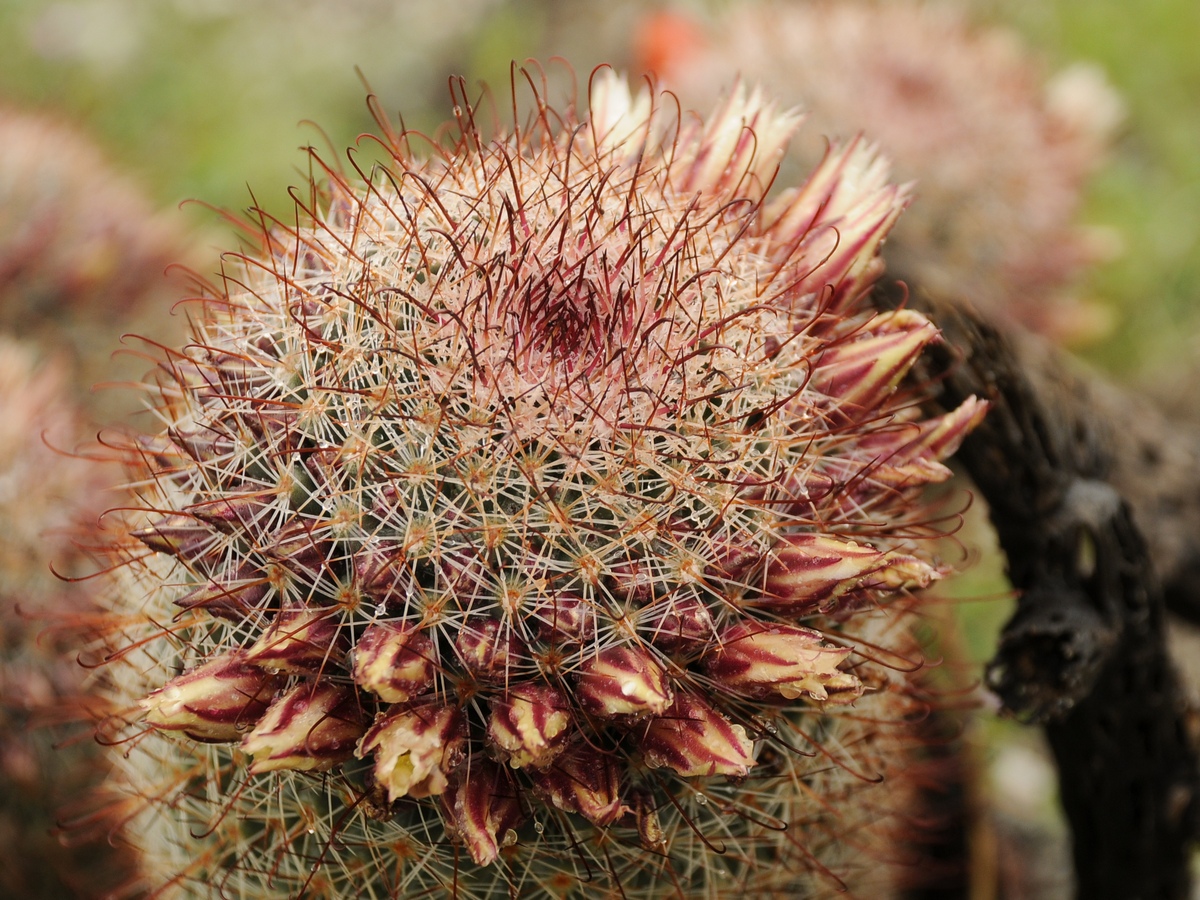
(1066, 466)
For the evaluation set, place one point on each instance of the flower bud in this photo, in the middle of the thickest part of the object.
(295, 548)
(864, 371)
(681, 624)
(808, 573)
(415, 749)
(218, 701)
(565, 618)
(382, 572)
(310, 728)
(529, 724)
(483, 808)
(182, 536)
(395, 664)
(761, 660)
(585, 781)
(228, 599)
(911, 454)
(303, 641)
(489, 649)
(694, 739)
(623, 681)
(230, 513)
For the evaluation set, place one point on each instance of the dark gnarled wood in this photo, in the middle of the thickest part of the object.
(1085, 653)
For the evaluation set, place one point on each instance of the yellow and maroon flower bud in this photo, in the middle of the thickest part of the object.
(489, 649)
(202, 444)
(529, 725)
(395, 664)
(680, 624)
(862, 372)
(182, 536)
(416, 748)
(808, 573)
(584, 781)
(761, 660)
(633, 580)
(695, 739)
(311, 728)
(232, 599)
(623, 681)
(230, 513)
(382, 572)
(295, 547)
(218, 701)
(300, 641)
(565, 618)
(912, 454)
(483, 807)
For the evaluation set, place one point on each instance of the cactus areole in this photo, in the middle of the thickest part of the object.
(537, 512)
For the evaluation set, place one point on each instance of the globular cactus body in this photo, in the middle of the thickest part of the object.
(540, 518)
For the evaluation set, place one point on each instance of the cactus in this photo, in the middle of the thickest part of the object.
(536, 517)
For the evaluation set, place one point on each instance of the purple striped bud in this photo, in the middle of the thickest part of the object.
(232, 599)
(218, 701)
(623, 681)
(632, 580)
(395, 664)
(911, 454)
(680, 625)
(382, 572)
(302, 641)
(415, 748)
(230, 513)
(584, 781)
(808, 573)
(565, 618)
(761, 660)
(489, 649)
(861, 372)
(179, 535)
(529, 724)
(483, 808)
(295, 548)
(694, 739)
(311, 728)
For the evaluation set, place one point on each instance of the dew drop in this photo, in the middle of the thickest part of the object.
(701, 800)
(539, 827)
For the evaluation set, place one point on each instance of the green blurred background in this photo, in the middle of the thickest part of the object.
(204, 99)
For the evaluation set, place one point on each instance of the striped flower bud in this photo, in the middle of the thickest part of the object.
(808, 573)
(218, 701)
(311, 728)
(182, 536)
(395, 664)
(484, 807)
(860, 372)
(529, 724)
(584, 781)
(489, 649)
(301, 641)
(415, 748)
(759, 660)
(694, 739)
(623, 681)
(565, 617)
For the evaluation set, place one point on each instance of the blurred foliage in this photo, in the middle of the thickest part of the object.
(204, 99)
(1150, 191)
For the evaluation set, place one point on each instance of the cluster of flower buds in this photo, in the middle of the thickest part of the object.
(542, 489)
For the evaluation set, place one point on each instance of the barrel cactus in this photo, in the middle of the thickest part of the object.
(537, 515)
